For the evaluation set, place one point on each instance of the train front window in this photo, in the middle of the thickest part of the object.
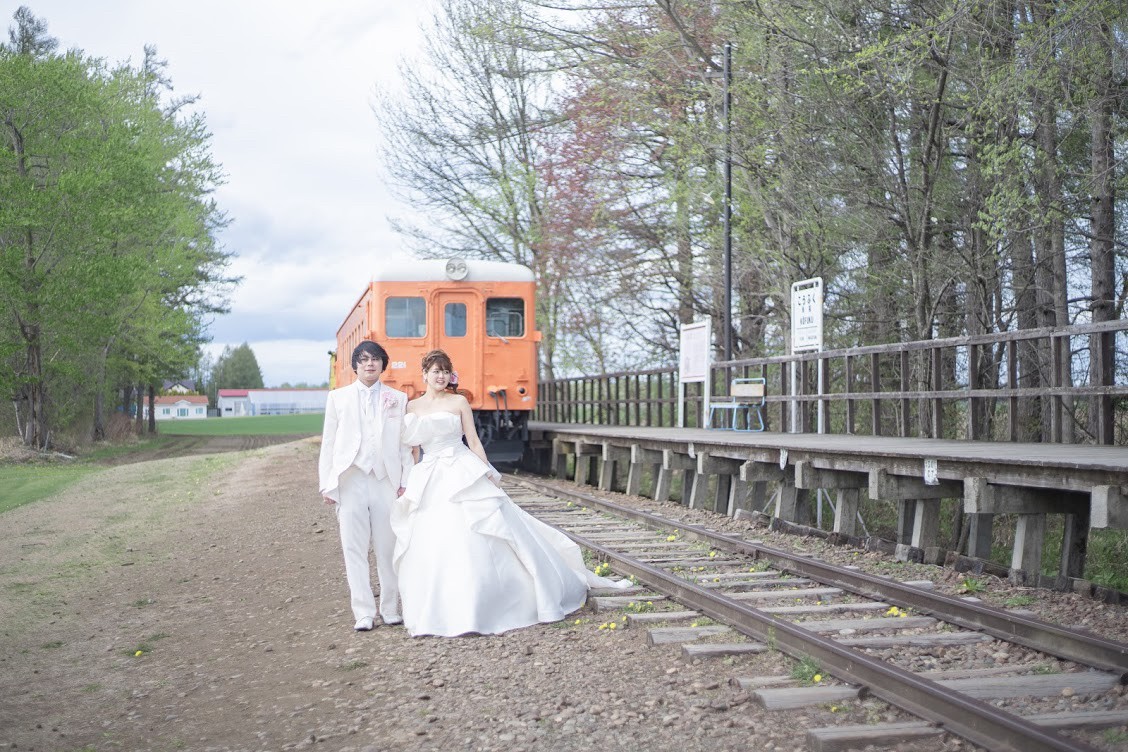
(454, 320)
(405, 317)
(505, 317)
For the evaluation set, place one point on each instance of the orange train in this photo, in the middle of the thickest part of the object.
(481, 313)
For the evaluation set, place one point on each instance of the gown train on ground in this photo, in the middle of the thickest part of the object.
(467, 558)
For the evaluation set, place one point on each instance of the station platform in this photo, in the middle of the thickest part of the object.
(728, 471)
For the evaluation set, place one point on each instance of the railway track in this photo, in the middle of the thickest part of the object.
(913, 648)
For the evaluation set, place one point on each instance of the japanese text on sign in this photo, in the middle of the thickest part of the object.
(807, 315)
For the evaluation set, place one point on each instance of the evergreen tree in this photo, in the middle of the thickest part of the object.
(237, 368)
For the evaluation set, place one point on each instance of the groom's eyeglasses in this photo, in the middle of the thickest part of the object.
(366, 360)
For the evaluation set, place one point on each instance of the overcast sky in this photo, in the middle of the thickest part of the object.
(287, 89)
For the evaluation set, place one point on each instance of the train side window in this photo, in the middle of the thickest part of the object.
(405, 317)
(454, 320)
(505, 317)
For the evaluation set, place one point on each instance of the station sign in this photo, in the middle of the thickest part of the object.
(807, 315)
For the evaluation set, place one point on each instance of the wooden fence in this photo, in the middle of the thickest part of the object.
(1056, 385)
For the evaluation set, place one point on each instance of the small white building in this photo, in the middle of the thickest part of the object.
(178, 407)
(234, 403)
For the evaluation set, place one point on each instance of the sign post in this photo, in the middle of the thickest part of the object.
(694, 363)
(807, 336)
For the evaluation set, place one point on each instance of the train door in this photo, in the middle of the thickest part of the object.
(459, 316)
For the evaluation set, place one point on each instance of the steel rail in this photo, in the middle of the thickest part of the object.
(964, 716)
(1090, 650)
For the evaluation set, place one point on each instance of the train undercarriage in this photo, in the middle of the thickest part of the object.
(504, 434)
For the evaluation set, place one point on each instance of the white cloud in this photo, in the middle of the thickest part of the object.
(286, 87)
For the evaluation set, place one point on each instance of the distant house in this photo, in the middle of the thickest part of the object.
(183, 386)
(234, 403)
(178, 407)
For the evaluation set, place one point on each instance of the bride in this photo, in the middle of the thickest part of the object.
(467, 558)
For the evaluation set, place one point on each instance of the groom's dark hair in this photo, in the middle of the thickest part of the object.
(370, 348)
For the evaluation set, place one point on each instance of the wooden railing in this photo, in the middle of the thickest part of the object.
(1010, 386)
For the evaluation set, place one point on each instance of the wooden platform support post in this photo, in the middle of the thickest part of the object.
(642, 459)
(1032, 504)
(613, 457)
(723, 468)
(847, 486)
(1109, 507)
(560, 451)
(1074, 547)
(673, 462)
(585, 455)
(926, 523)
(980, 533)
(695, 491)
(1026, 557)
(906, 516)
(793, 505)
(918, 511)
(756, 476)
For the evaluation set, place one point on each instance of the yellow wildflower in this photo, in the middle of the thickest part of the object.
(671, 538)
(817, 678)
(139, 652)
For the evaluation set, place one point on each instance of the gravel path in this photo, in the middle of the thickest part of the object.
(199, 603)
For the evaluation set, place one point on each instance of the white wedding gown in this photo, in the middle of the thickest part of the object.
(467, 558)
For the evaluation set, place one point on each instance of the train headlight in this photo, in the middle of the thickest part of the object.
(457, 269)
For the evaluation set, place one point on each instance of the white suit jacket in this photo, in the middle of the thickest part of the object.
(340, 437)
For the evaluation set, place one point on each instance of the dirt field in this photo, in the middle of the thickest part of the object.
(199, 603)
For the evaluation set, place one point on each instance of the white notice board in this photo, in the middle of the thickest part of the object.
(694, 360)
(693, 353)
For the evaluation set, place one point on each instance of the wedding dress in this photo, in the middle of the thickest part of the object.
(467, 558)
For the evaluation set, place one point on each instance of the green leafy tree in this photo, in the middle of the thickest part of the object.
(107, 251)
(237, 368)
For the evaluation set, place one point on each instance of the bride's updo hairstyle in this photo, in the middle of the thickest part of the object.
(442, 360)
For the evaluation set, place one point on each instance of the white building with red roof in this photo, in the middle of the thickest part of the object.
(178, 407)
(234, 403)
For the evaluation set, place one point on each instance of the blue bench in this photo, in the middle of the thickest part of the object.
(747, 397)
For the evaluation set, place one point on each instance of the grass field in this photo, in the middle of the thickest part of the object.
(23, 484)
(259, 425)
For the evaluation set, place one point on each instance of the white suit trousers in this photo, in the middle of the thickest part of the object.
(362, 513)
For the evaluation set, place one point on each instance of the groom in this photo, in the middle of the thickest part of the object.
(362, 469)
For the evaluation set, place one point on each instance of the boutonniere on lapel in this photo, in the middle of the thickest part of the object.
(389, 401)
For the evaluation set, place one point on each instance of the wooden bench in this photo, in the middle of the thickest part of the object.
(747, 397)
